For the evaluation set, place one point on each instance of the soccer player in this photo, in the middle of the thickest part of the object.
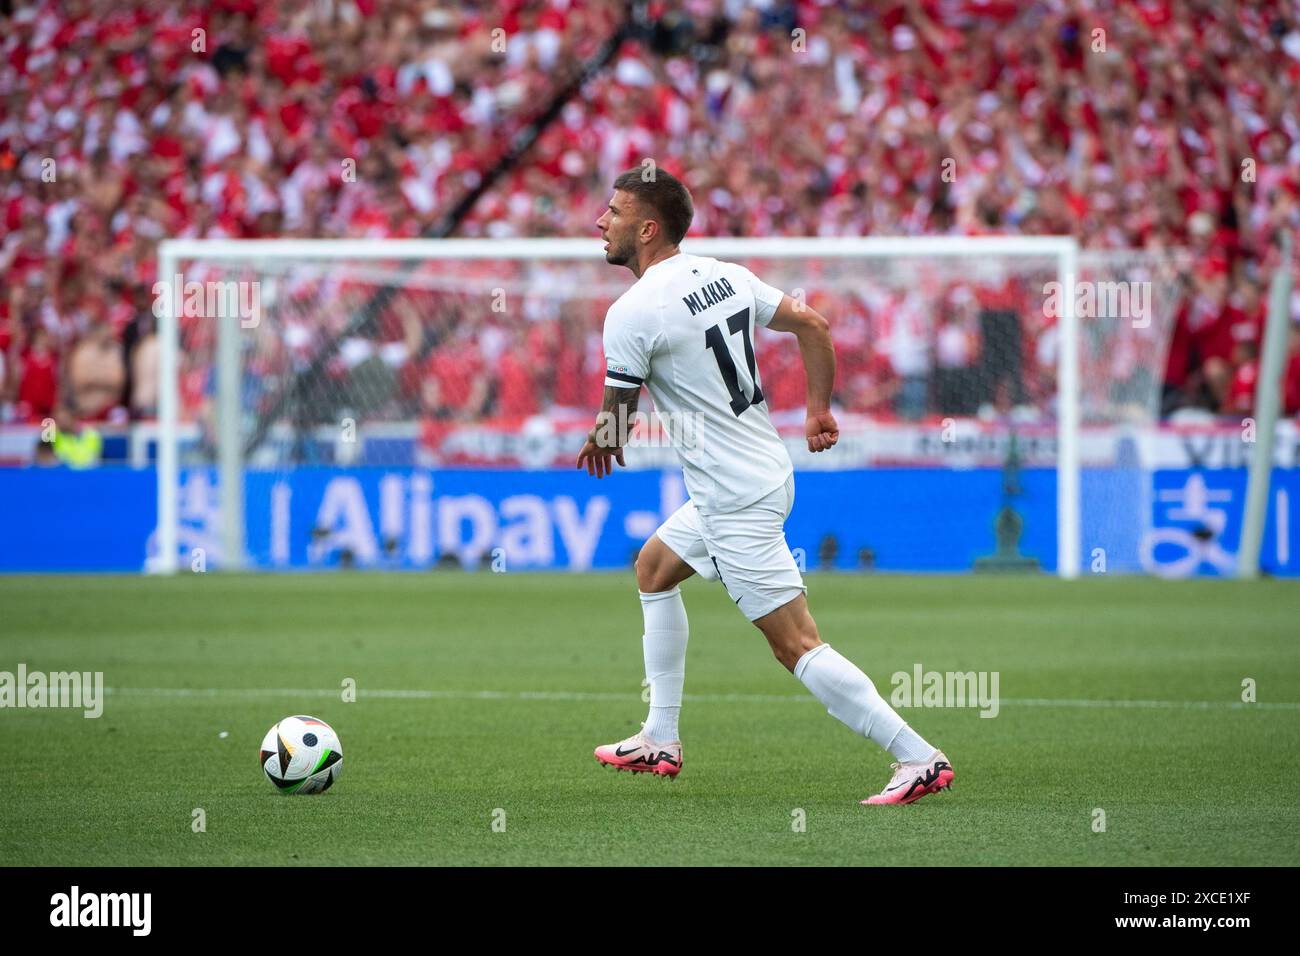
(685, 330)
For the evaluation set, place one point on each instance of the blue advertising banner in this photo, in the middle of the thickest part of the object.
(1176, 523)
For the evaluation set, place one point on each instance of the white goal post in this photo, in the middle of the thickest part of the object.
(963, 252)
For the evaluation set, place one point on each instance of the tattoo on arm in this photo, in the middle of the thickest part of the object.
(615, 418)
(614, 397)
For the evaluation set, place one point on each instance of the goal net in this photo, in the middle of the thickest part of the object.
(411, 403)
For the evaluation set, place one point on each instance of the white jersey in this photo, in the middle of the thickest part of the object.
(686, 330)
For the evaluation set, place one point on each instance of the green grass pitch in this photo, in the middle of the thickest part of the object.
(529, 672)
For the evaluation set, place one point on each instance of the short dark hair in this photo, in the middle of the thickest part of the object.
(663, 193)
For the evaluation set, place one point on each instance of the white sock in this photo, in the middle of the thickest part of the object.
(851, 698)
(664, 644)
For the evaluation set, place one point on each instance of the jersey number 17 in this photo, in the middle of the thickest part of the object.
(715, 340)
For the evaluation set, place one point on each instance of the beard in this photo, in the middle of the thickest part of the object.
(619, 255)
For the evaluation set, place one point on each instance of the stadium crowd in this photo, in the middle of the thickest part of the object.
(1155, 124)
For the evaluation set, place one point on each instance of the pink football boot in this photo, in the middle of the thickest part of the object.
(912, 781)
(640, 754)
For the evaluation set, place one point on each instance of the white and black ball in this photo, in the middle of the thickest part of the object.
(301, 755)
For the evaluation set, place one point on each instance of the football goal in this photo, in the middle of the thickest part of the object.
(405, 403)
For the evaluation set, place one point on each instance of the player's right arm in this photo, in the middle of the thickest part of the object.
(818, 354)
(629, 344)
(606, 439)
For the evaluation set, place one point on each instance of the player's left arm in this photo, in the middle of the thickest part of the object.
(605, 441)
(818, 354)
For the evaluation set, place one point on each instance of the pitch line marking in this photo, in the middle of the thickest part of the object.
(579, 696)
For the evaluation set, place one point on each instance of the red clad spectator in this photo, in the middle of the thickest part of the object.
(1291, 375)
(783, 379)
(568, 389)
(38, 390)
(1178, 365)
(1241, 392)
(516, 387)
(458, 371)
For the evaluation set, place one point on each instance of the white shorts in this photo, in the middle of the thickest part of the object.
(746, 549)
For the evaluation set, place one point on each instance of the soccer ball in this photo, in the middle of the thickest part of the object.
(301, 755)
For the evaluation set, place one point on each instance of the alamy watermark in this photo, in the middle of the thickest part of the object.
(922, 688)
(209, 300)
(618, 429)
(75, 908)
(55, 689)
(1102, 300)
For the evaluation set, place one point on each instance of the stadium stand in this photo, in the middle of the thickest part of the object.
(125, 122)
